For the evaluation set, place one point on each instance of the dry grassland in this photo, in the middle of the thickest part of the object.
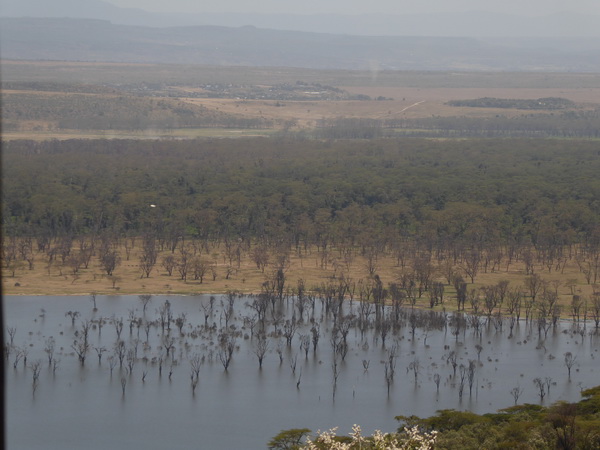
(407, 103)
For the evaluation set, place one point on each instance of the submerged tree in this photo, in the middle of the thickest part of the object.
(261, 348)
(226, 348)
(569, 362)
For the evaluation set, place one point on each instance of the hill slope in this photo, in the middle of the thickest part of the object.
(97, 40)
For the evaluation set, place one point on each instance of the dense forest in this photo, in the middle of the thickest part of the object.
(566, 124)
(473, 191)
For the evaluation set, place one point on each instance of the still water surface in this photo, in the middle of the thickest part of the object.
(84, 407)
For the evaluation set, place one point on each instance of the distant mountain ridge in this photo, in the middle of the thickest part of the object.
(101, 40)
(472, 24)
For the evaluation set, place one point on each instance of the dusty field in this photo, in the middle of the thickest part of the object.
(407, 103)
(312, 267)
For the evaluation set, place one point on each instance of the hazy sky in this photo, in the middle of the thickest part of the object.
(524, 7)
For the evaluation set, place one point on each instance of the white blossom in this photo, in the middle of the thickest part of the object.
(413, 440)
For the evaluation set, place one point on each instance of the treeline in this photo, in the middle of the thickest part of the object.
(52, 86)
(562, 425)
(559, 426)
(315, 192)
(518, 103)
(583, 124)
(85, 111)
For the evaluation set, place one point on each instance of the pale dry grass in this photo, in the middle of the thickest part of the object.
(311, 266)
(407, 103)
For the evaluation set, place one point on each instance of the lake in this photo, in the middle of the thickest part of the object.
(92, 406)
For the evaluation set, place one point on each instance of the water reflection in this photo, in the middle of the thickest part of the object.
(243, 407)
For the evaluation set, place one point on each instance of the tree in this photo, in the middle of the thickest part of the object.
(169, 263)
(49, 349)
(261, 348)
(123, 384)
(183, 263)
(81, 348)
(453, 360)
(409, 438)
(461, 292)
(415, 366)
(73, 315)
(226, 348)
(195, 364)
(109, 261)
(165, 315)
(99, 352)
(569, 362)
(13, 330)
(534, 284)
(516, 393)
(260, 255)
(436, 379)
(200, 268)
(596, 311)
(180, 322)
(145, 299)
(289, 329)
(471, 374)
(563, 418)
(541, 386)
(315, 332)
(93, 300)
(288, 439)
(36, 367)
(148, 256)
(472, 261)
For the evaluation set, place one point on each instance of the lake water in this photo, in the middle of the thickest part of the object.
(79, 406)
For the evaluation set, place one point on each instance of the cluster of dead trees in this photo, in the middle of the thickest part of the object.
(296, 322)
(423, 274)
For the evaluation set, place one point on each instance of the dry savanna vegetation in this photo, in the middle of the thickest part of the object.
(44, 100)
(85, 198)
(193, 267)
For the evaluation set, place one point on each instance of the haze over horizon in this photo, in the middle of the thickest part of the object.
(355, 7)
(466, 18)
(476, 40)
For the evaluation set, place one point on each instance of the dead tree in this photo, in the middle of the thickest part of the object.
(261, 348)
(145, 299)
(516, 393)
(569, 362)
(436, 379)
(36, 367)
(289, 329)
(49, 349)
(541, 386)
(471, 375)
(305, 344)
(415, 366)
(226, 348)
(315, 331)
(99, 352)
